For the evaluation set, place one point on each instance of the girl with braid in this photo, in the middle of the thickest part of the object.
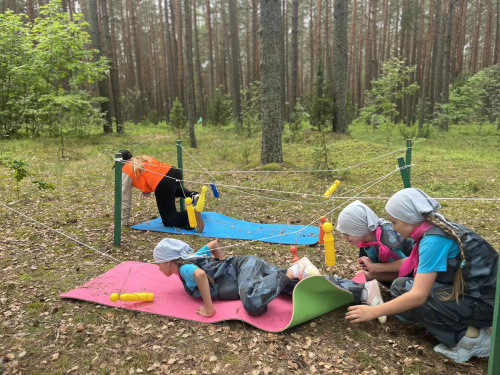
(150, 175)
(452, 291)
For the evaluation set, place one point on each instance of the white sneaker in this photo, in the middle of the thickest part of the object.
(304, 268)
(308, 269)
(374, 297)
(468, 347)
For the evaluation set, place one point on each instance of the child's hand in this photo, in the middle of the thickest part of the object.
(360, 313)
(205, 313)
(145, 195)
(366, 264)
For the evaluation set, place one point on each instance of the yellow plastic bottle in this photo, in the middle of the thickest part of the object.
(331, 189)
(191, 215)
(329, 244)
(143, 297)
(201, 201)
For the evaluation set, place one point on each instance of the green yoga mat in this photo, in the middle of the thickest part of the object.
(315, 296)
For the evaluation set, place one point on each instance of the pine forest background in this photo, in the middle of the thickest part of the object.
(381, 62)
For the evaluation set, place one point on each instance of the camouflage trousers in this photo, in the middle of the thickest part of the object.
(446, 320)
(260, 282)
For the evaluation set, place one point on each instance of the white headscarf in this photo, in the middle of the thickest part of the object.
(357, 219)
(171, 249)
(408, 205)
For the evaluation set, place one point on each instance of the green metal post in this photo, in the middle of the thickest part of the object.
(408, 156)
(403, 170)
(494, 363)
(179, 165)
(118, 200)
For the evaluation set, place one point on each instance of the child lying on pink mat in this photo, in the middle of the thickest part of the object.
(246, 277)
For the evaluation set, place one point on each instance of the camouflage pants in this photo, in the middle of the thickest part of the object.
(446, 320)
(260, 282)
(349, 285)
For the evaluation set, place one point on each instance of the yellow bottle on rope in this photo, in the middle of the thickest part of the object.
(143, 297)
(201, 201)
(331, 189)
(329, 244)
(191, 215)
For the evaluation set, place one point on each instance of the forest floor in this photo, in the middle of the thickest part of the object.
(44, 334)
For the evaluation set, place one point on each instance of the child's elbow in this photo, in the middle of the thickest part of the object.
(420, 299)
(199, 274)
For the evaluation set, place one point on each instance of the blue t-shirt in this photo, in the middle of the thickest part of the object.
(434, 251)
(186, 272)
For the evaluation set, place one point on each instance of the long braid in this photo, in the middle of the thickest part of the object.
(459, 285)
(138, 164)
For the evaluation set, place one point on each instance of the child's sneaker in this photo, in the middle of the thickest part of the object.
(303, 268)
(374, 297)
(308, 269)
(195, 198)
(468, 347)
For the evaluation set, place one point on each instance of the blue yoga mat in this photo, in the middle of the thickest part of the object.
(222, 226)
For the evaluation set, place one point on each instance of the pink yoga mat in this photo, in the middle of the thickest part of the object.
(171, 299)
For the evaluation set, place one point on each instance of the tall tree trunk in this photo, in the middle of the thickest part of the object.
(373, 42)
(103, 84)
(340, 65)
(138, 62)
(270, 20)
(255, 42)
(385, 27)
(435, 51)
(282, 65)
(226, 56)
(190, 73)
(115, 80)
(496, 59)
(248, 68)
(311, 46)
(294, 55)
(173, 51)
(180, 55)
(201, 102)
(459, 62)
(318, 44)
(328, 56)
(447, 59)
(427, 68)
(235, 62)
(218, 68)
(352, 73)
(127, 45)
(475, 39)
(165, 83)
(210, 49)
(488, 30)
(31, 10)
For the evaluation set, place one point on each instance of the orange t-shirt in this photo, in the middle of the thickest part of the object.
(147, 179)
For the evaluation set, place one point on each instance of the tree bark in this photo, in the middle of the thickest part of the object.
(487, 34)
(340, 65)
(427, 68)
(235, 62)
(496, 59)
(270, 17)
(459, 62)
(255, 42)
(180, 54)
(435, 52)
(475, 39)
(199, 83)
(282, 65)
(210, 49)
(115, 80)
(103, 84)
(294, 55)
(190, 73)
